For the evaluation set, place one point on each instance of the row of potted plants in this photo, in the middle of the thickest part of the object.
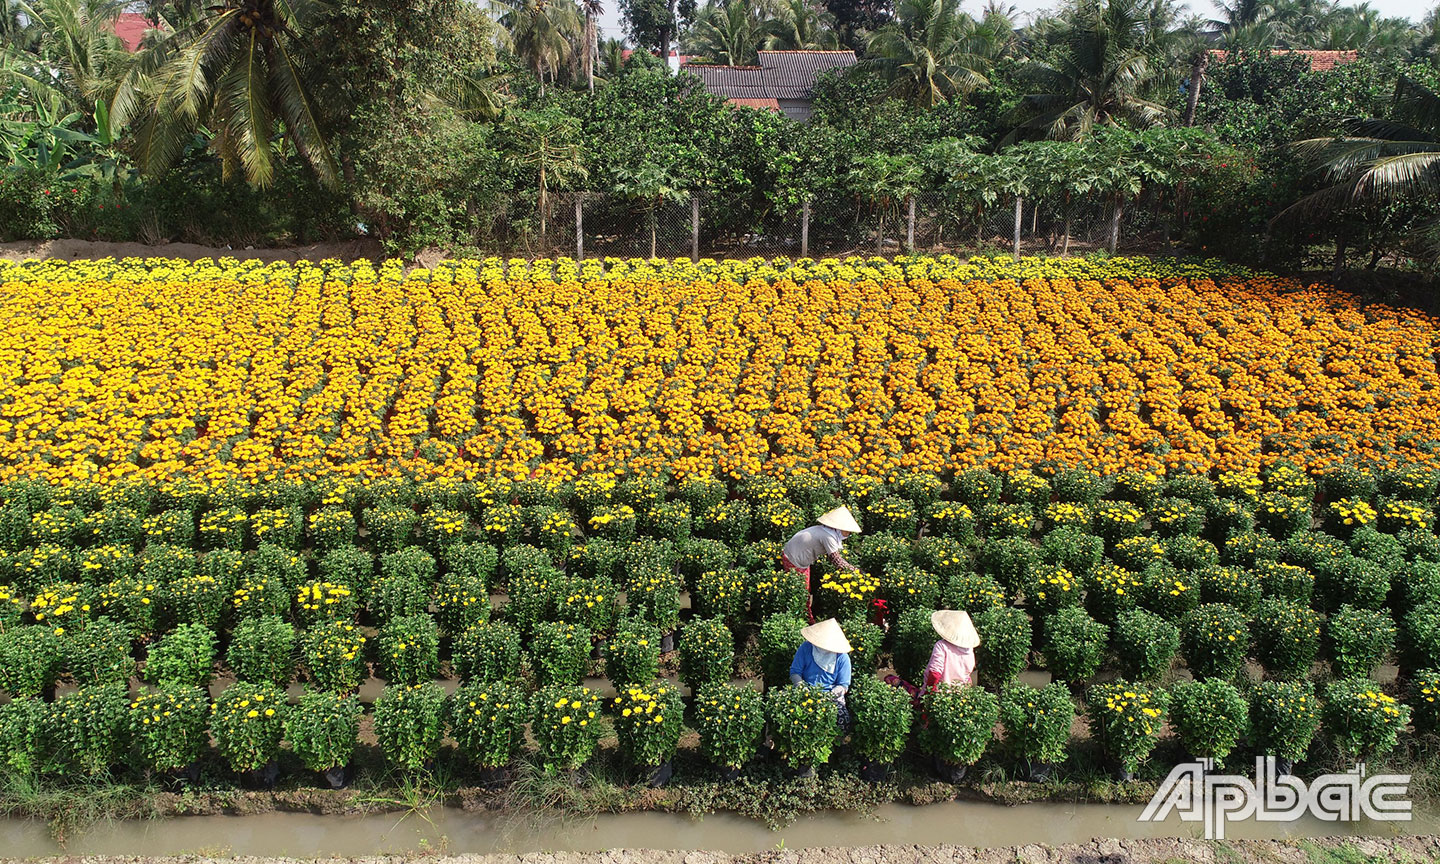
(169, 728)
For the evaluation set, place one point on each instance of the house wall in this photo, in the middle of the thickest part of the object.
(798, 110)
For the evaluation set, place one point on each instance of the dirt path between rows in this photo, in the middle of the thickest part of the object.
(1104, 851)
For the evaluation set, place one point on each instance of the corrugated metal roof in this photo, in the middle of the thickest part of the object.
(780, 75)
(792, 74)
(731, 82)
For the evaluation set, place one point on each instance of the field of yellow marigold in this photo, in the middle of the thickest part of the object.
(164, 368)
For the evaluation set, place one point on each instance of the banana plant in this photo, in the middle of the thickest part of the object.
(98, 155)
(40, 142)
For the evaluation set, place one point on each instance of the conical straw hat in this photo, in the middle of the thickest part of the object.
(955, 627)
(828, 635)
(841, 520)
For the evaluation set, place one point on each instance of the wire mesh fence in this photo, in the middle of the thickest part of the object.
(600, 226)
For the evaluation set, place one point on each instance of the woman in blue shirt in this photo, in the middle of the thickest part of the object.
(823, 660)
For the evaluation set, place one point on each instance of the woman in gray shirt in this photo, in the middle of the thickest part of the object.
(817, 541)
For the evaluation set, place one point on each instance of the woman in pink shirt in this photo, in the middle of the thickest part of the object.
(952, 661)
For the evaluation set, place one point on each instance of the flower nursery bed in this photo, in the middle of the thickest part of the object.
(1202, 500)
(1163, 640)
(166, 368)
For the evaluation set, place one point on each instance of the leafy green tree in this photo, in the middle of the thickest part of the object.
(65, 49)
(1385, 161)
(651, 185)
(395, 100)
(414, 54)
(728, 32)
(238, 71)
(547, 147)
(1129, 161)
(541, 33)
(886, 181)
(925, 55)
(1102, 73)
(653, 24)
(1063, 172)
(799, 25)
(856, 19)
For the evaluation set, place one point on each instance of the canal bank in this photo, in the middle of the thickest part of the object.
(953, 824)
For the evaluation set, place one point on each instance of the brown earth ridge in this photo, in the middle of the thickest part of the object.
(1102, 851)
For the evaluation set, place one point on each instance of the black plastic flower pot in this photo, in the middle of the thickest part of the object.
(667, 642)
(1284, 767)
(263, 777)
(1121, 773)
(950, 772)
(875, 772)
(337, 776)
(1040, 772)
(178, 778)
(494, 778)
(804, 773)
(658, 775)
(727, 774)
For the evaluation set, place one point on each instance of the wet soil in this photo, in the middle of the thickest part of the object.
(1103, 851)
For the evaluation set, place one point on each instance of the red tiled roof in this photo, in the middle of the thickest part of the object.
(1320, 61)
(130, 26)
(758, 104)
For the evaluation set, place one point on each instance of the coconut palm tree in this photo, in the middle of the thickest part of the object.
(1394, 160)
(593, 9)
(1361, 28)
(1302, 22)
(62, 49)
(1239, 14)
(238, 71)
(992, 36)
(1429, 45)
(14, 27)
(1102, 73)
(926, 53)
(729, 32)
(611, 57)
(541, 33)
(800, 25)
